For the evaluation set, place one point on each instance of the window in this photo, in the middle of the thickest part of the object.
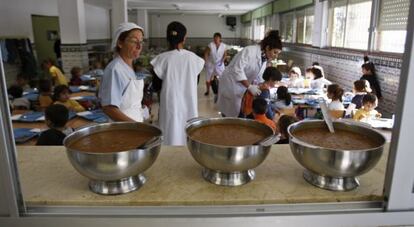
(287, 27)
(349, 23)
(392, 26)
(259, 29)
(247, 31)
(304, 25)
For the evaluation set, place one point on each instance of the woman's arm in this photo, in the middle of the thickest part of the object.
(115, 114)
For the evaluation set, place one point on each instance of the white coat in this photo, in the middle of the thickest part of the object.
(178, 70)
(246, 65)
(215, 64)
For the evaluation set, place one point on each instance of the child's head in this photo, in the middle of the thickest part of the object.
(283, 124)
(272, 75)
(61, 93)
(76, 71)
(15, 91)
(315, 63)
(21, 80)
(97, 65)
(308, 73)
(283, 94)
(335, 92)
(369, 102)
(359, 86)
(56, 116)
(45, 86)
(295, 73)
(259, 106)
(46, 64)
(316, 72)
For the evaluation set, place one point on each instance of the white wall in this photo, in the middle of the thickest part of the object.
(97, 22)
(15, 18)
(15, 15)
(197, 25)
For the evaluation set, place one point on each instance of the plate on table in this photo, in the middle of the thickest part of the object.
(97, 116)
(22, 135)
(384, 123)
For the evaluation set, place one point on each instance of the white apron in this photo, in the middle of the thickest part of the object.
(246, 65)
(131, 100)
(214, 64)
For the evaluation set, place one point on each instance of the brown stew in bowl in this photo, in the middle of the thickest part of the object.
(111, 141)
(228, 135)
(341, 139)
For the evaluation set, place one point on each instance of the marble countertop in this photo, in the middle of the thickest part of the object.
(48, 178)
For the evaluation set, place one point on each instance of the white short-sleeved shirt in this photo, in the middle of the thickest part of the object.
(115, 80)
(336, 105)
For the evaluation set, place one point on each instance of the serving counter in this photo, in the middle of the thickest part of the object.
(48, 178)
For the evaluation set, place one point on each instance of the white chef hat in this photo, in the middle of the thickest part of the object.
(123, 27)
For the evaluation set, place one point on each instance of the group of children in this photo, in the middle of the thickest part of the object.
(53, 99)
(273, 113)
(270, 113)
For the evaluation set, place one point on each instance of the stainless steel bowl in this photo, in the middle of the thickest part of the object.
(116, 172)
(335, 169)
(228, 165)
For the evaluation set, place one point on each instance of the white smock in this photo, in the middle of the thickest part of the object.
(178, 70)
(131, 100)
(246, 65)
(122, 89)
(215, 64)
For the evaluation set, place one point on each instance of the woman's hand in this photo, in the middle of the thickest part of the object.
(254, 90)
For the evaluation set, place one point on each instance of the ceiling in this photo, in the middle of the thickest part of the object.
(225, 7)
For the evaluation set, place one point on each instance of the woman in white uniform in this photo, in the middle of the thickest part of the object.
(120, 91)
(246, 68)
(214, 56)
(176, 74)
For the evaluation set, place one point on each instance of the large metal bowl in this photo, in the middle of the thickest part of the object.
(335, 169)
(228, 165)
(116, 172)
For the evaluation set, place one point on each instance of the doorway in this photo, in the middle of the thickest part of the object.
(45, 33)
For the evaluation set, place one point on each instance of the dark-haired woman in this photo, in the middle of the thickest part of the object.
(121, 91)
(214, 56)
(177, 69)
(247, 66)
(369, 73)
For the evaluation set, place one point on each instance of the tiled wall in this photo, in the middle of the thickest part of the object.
(344, 68)
(74, 55)
(11, 71)
(193, 42)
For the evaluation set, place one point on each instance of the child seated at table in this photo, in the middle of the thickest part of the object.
(335, 93)
(56, 117)
(45, 94)
(361, 88)
(283, 100)
(259, 112)
(271, 77)
(22, 81)
(282, 126)
(76, 73)
(97, 70)
(367, 111)
(61, 95)
(318, 81)
(17, 100)
(295, 78)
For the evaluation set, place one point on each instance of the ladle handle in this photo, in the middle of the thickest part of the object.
(326, 115)
(268, 141)
(154, 141)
